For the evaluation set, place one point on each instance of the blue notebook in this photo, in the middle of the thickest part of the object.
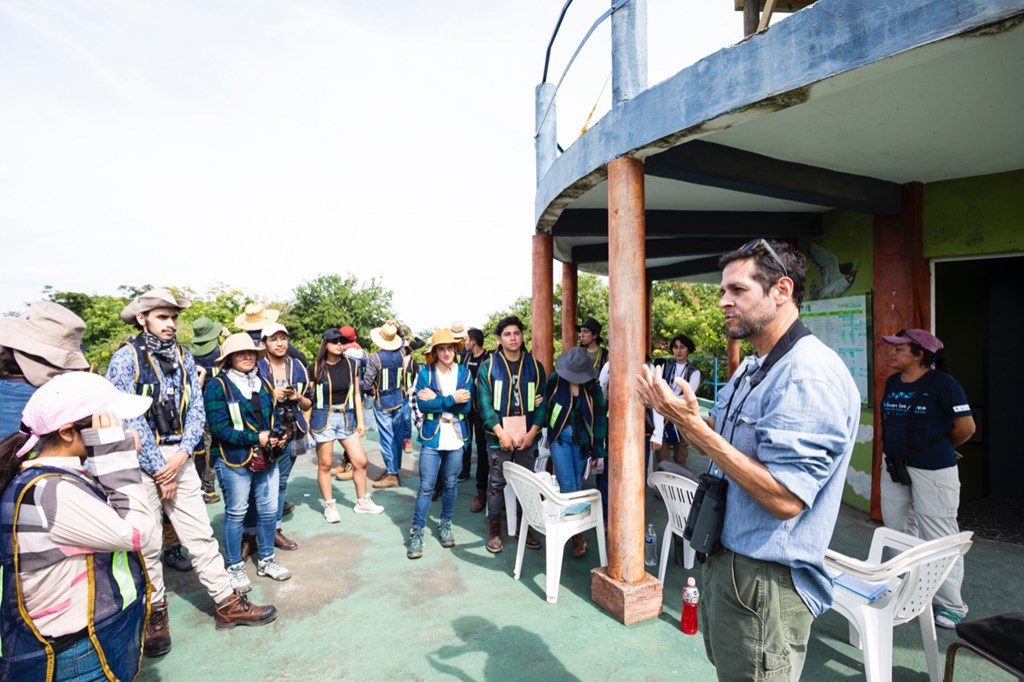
(580, 510)
(869, 590)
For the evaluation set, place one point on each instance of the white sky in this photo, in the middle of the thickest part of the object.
(261, 143)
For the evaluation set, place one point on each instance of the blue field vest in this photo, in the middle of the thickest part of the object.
(296, 377)
(322, 396)
(118, 597)
(387, 391)
(560, 407)
(149, 382)
(501, 385)
(432, 420)
(243, 418)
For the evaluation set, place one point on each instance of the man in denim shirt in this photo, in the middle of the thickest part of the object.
(781, 434)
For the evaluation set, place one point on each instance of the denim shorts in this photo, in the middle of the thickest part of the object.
(340, 425)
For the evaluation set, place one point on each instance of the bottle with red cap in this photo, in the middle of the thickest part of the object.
(691, 600)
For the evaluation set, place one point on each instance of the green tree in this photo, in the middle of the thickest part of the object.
(332, 301)
(522, 308)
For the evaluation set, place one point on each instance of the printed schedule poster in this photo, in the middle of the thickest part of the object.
(842, 325)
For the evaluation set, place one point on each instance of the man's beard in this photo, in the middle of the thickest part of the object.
(754, 324)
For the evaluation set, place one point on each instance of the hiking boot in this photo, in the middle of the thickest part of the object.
(345, 472)
(173, 557)
(479, 502)
(281, 541)
(532, 540)
(248, 545)
(331, 514)
(445, 535)
(387, 481)
(407, 445)
(239, 580)
(238, 610)
(271, 569)
(288, 508)
(364, 505)
(415, 550)
(211, 497)
(579, 546)
(494, 536)
(157, 640)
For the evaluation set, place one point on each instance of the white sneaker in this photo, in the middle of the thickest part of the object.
(239, 580)
(364, 505)
(331, 514)
(269, 567)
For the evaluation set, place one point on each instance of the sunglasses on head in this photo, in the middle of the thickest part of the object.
(754, 244)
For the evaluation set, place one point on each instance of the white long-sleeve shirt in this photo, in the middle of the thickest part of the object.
(680, 371)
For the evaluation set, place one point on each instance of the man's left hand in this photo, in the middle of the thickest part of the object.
(169, 473)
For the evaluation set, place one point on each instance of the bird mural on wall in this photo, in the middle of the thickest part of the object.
(836, 277)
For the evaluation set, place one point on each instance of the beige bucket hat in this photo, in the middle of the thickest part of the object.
(256, 316)
(235, 344)
(46, 341)
(151, 300)
(459, 330)
(386, 336)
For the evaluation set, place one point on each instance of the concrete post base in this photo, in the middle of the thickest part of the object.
(628, 603)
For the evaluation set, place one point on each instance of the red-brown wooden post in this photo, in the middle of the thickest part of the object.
(542, 320)
(570, 287)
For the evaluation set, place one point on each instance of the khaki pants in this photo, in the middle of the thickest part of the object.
(187, 513)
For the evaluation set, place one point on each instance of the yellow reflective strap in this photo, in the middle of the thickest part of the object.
(531, 396)
(123, 576)
(147, 390)
(429, 415)
(319, 396)
(236, 416)
(554, 414)
(497, 395)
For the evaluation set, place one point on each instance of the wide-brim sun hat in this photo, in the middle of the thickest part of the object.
(256, 316)
(386, 336)
(575, 366)
(72, 396)
(459, 330)
(151, 300)
(440, 337)
(205, 334)
(236, 343)
(46, 340)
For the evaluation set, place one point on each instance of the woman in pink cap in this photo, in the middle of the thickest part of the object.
(73, 519)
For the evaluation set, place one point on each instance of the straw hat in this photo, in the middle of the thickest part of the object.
(386, 336)
(440, 337)
(459, 330)
(151, 300)
(205, 333)
(45, 340)
(256, 317)
(575, 366)
(237, 343)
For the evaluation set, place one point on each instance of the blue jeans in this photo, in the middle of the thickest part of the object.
(432, 462)
(407, 417)
(569, 462)
(391, 428)
(284, 470)
(236, 483)
(80, 662)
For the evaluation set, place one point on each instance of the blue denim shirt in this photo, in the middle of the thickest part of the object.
(800, 422)
(14, 395)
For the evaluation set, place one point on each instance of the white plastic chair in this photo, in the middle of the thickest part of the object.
(542, 507)
(540, 466)
(677, 493)
(913, 577)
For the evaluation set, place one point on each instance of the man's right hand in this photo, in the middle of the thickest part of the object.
(168, 491)
(505, 442)
(264, 438)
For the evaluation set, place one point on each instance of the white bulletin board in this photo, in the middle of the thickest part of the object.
(842, 325)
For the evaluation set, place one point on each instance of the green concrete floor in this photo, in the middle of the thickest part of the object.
(357, 609)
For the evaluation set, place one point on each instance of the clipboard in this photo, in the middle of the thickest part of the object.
(514, 426)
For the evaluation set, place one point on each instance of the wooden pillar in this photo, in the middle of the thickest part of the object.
(733, 355)
(902, 299)
(751, 17)
(625, 589)
(542, 321)
(570, 284)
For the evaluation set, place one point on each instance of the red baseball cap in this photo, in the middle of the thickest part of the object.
(348, 334)
(918, 336)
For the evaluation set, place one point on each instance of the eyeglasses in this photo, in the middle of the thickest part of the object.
(755, 244)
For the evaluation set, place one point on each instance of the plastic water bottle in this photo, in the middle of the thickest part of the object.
(651, 546)
(691, 600)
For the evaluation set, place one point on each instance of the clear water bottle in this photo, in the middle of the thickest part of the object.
(691, 600)
(651, 546)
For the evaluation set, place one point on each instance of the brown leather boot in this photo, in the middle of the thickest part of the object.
(494, 536)
(387, 481)
(248, 545)
(579, 546)
(281, 541)
(479, 502)
(157, 641)
(532, 538)
(238, 610)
